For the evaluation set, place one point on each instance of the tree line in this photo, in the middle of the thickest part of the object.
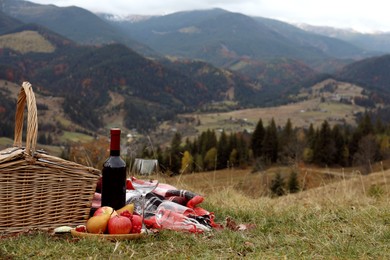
(326, 145)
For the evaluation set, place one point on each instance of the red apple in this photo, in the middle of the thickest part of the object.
(105, 210)
(119, 225)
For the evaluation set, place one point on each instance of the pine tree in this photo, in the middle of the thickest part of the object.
(287, 141)
(277, 185)
(270, 143)
(311, 136)
(233, 158)
(207, 141)
(175, 153)
(242, 150)
(293, 185)
(257, 139)
(324, 147)
(287, 133)
(340, 145)
(233, 141)
(379, 127)
(223, 151)
(365, 126)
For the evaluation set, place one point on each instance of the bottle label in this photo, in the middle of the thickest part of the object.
(114, 187)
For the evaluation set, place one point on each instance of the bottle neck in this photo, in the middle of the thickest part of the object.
(115, 142)
(115, 153)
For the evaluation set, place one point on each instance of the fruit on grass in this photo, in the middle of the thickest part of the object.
(137, 224)
(105, 210)
(98, 224)
(119, 225)
(128, 207)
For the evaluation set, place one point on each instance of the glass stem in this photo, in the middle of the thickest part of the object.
(143, 211)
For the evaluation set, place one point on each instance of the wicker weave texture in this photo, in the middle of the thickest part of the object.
(39, 191)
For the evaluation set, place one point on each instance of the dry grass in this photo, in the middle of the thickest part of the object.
(354, 191)
(344, 220)
(26, 41)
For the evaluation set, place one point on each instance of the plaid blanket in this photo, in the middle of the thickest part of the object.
(199, 221)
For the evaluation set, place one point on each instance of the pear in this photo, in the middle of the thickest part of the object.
(98, 224)
(129, 207)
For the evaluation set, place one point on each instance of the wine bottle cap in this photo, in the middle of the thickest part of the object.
(115, 139)
(115, 131)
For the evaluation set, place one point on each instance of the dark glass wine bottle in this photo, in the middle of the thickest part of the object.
(114, 175)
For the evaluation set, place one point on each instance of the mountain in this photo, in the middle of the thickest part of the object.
(220, 37)
(77, 24)
(330, 46)
(207, 57)
(373, 74)
(94, 81)
(8, 23)
(215, 36)
(378, 42)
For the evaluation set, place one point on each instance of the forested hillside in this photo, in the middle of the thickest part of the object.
(372, 73)
(152, 92)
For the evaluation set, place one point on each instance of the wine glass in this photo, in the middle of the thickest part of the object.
(143, 186)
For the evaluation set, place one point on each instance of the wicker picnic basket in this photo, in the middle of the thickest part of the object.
(37, 190)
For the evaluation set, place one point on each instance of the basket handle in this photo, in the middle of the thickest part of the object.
(26, 94)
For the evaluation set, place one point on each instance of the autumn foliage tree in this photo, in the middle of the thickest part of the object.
(91, 154)
(186, 162)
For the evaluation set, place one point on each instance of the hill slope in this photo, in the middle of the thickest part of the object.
(372, 73)
(73, 22)
(218, 36)
(88, 78)
(376, 42)
(8, 23)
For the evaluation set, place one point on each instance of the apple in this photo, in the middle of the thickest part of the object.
(119, 225)
(105, 210)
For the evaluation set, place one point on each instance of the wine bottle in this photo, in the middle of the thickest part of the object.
(114, 175)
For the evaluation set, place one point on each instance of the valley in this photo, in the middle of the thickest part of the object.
(318, 104)
(153, 85)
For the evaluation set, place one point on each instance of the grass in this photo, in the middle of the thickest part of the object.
(26, 41)
(75, 137)
(5, 142)
(347, 219)
(301, 114)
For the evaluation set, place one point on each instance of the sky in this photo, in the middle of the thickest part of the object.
(361, 15)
